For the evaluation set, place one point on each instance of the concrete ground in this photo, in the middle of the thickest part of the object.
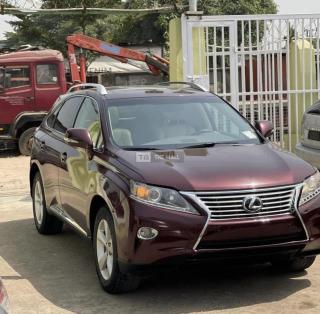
(55, 274)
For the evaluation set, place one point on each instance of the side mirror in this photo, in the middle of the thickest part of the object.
(79, 138)
(264, 127)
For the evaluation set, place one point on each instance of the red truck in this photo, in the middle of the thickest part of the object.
(30, 82)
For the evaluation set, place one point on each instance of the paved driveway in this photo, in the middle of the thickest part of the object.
(55, 274)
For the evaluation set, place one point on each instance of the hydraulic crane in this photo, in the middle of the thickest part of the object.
(156, 64)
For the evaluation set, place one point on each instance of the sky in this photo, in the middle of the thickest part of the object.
(285, 7)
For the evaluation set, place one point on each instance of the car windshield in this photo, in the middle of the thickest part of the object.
(177, 122)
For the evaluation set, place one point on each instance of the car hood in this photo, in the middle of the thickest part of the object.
(222, 167)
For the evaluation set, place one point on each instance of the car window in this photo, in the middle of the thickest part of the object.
(16, 76)
(47, 74)
(1, 78)
(175, 122)
(67, 114)
(88, 118)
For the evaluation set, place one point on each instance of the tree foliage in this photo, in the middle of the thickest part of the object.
(50, 30)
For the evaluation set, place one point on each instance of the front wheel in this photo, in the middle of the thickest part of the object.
(297, 264)
(106, 256)
(26, 141)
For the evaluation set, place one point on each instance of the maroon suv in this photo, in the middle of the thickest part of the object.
(169, 174)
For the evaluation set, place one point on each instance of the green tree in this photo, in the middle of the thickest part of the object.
(50, 30)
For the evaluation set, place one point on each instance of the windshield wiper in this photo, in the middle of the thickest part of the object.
(210, 144)
(140, 148)
(201, 145)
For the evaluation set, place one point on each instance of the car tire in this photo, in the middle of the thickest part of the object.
(297, 264)
(45, 223)
(111, 278)
(25, 141)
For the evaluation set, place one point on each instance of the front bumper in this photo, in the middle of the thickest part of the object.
(310, 155)
(254, 238)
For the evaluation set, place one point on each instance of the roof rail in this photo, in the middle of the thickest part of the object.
(190, 84)
(100, 88)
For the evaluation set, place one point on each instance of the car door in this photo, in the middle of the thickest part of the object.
(54, 145)
(77, 178)
(18, 93)
(47, 142)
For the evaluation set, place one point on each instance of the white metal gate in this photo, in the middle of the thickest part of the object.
(266, 65)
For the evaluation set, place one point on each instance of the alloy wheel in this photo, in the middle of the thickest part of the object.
(104, 249)
(38, 202)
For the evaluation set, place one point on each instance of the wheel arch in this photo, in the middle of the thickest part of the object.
(25, 121)
(96, 203)
(34, 168)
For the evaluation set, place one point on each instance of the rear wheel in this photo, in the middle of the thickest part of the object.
(45, 223)
(106, 256)
(26, 141)
(296, 264)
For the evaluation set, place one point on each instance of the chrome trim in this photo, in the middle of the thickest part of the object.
(190, 84)
(204, 207)
(298, 191)
(229, 204)
(100, 88)
(60, 213)
(253, 190)
(295, 196)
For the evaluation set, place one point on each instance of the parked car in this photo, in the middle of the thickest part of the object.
(4, 300)
(170, 174)
(309, 147)
(30, 82)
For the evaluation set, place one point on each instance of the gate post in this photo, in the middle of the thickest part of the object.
(175, 51)
(188, 52)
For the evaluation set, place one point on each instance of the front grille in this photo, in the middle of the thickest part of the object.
(229, 204)
(314, 135)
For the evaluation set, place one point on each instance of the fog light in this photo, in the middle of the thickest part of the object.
(147, 233)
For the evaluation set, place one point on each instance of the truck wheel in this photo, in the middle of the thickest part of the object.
(25, 141)
(297, 264)
(111, 278)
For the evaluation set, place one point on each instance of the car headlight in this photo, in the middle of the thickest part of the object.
(311, 188)
(162, 197)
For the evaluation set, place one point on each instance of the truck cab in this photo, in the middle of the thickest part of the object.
(30, 82)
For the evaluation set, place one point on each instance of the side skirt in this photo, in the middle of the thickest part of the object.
(61, 214)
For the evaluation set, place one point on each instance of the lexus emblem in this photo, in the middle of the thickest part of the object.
(252, 204)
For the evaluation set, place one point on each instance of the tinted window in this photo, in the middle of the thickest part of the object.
(175, 122)
(16, 76)
(47, 74)
(67, 114)
(88, 118)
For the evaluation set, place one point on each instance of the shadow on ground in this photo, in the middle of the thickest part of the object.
(61, 269)
(9, 153)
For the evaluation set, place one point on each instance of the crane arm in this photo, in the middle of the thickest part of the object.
(155, 63)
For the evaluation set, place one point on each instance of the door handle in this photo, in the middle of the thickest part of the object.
(63, 157)
(29, 98)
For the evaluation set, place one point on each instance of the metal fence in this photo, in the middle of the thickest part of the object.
(266, 65)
